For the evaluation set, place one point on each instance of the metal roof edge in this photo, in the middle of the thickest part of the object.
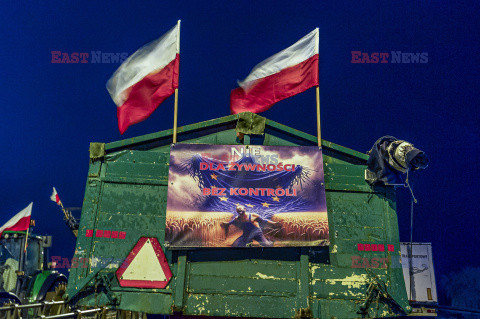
(313, 139)
(226, 119)
(182, 129)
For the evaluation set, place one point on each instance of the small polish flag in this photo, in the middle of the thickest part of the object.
(19, 222)
(54, 197)
(287, 73)
(146, 79)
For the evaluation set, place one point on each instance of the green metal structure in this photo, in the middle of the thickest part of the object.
(126, 190)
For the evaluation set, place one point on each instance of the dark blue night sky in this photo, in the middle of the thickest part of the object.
(51, 112)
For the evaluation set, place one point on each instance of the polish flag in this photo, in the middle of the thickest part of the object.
(19, 222)
(289, 72)
(146, 79)
(54, 197)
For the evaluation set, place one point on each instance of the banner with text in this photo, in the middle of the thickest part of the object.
(246, 196)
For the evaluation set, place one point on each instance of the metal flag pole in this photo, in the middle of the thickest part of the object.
(413, 201)
(175, 116)
(67, 218)
(175, 111)
(319, 134)
(410, 256)
(26, 240)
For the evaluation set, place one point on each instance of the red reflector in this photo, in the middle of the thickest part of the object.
(129, 266)
(114, 234)
(374, 247)
(381, 247)
(367, 247)
(122, 235)
(431, 310)
(106, 234)
(89, 233)
(391, 248)
(99, 233)
(360, 247)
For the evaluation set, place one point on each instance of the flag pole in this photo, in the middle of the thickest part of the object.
(26, 239)
(175, 116)
(75, 232)
(175, 112)
(319, 134)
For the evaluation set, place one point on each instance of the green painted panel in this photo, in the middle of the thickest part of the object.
(274, 140)
(149, 166)
(227, 137)
(372, 218)
(341, 283)
(240, 306)
(149, 302)
(362, 234)
(244, 277)
(87, 221)
(345, 176)
(258, 285)
(257, 269)
(344, 309)
(144, 200)
(94, 169)
(126, 190)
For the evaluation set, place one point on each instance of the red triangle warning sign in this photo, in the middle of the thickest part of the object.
(145, 266)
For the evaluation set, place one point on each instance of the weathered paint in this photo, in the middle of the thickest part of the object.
(126, 191)
(353, 281)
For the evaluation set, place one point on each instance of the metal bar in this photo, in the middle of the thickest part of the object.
(175, 111)
(26, 240)
(75, 232)
(21, 266)
(319, 134)
(180, 281)
(41, 304)
(412, 295)
(33, 305)
(304, 289)
(73, 314)
(175, 116)
(7, 308)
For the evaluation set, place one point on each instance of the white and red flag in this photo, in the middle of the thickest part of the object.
(54, 197)
(146, 79)
(289, 72)
(19, 222)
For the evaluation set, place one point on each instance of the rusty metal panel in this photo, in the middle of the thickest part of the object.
(241, 306)
(262, 277)
(126, 192)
